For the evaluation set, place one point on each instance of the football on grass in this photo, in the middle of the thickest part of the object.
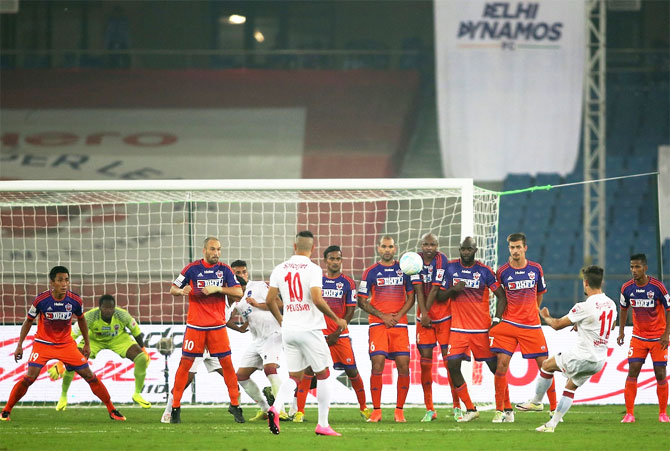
(411, 263)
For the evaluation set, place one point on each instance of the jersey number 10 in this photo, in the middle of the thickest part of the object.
(294, 286)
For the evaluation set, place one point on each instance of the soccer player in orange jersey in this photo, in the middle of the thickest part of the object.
(651, 328)
(523, 281)
(467, 282)
(206, 282)
(433, 320)
(339, 292)
(53, 340)
(386, 294)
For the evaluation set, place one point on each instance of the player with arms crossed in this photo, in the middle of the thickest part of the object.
(593, 319)
(107, 325)
(434, 326)
(467, 282)
(53, 340)
(387, 294)
(299, 281)
(523, 281)
(651, 328)
(207, 282)
(266, 348)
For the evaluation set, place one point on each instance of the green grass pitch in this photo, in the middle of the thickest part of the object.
(84, 428)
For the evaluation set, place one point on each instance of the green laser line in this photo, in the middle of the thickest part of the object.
(563, 185)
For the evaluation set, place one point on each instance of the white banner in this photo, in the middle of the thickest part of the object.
(509, 82)
(664, 193)
(605, 387)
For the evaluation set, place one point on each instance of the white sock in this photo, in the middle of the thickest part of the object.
(254, 392)
(168, 407)
(323, 400)
(275, 382)
(563, 407)
(541, 386)
(285, 392)
(294, 407)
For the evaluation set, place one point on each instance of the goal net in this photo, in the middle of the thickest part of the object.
(131, 239)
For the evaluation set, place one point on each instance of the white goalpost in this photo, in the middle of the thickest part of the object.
(131, 238)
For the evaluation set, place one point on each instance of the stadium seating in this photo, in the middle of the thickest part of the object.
(638, 122)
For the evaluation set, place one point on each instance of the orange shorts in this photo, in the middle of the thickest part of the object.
(196, 340)
(68, 353)
(640, 348)
(505, 337)
(426, 337)
(343, 354)
(389, 342)
(462, 343)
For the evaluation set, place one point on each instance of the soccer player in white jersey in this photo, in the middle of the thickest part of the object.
(266, 347)
(299, 281)
(594, 320)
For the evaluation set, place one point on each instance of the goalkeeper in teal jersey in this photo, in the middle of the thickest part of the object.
(108, 328)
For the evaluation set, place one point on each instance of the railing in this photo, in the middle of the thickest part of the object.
(217, 59)
(618, 60)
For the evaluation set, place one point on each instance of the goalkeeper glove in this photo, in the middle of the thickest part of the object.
(56, 371)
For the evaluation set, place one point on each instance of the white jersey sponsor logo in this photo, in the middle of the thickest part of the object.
(385, 281)
(642, 303)
(521, 284)
(469, 283)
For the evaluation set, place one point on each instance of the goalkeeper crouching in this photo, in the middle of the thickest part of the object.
(108, 328)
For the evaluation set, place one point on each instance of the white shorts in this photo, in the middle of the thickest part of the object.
(260, 354)
(305, 348)
(211, 363)
(578, 369)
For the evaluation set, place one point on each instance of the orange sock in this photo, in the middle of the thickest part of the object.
(551, 394)
(507, 402)
(403, 388)
(230, 378)
(19, 389)
(180, 380)
(99, 390)
(359, 389)
(464, 396)
(629, 393)
(454, 393)
(500, 381)
(427, 382)
(662, 392)
(303, 391)
(376, 390)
